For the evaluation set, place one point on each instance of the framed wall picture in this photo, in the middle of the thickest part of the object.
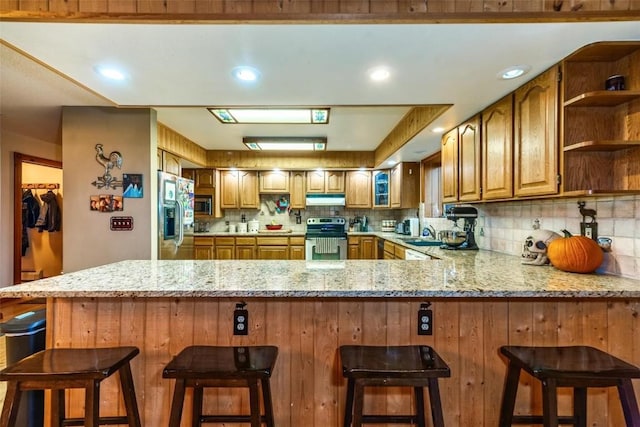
(132, 185)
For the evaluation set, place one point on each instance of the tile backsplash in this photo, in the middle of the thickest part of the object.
(501, 226)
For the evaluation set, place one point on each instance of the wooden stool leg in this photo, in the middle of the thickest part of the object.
(358, 404)
(177, 402)
(348, 409)
(11, 405)
(436, 403)
(57, 407)
(509, 396)
(549, 403)
(129, 395)
(254, 403)
(629, 403)
(419, 394)
(196, 408)
(92, 404)
(580, 406)
(267, 401)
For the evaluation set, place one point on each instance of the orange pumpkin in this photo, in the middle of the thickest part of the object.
(577, 254)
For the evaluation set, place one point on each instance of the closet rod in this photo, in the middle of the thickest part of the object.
(50, 186)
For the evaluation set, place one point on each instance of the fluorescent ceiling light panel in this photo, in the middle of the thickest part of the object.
(286, 143)
(271, 115)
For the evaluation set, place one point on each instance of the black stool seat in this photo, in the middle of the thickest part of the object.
(59, 369)
(413, 366)
(579, 367)
(199, 367)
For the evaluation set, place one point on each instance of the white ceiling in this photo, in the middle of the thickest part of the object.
(180, 69)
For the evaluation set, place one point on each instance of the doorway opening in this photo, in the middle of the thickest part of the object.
(37, 248)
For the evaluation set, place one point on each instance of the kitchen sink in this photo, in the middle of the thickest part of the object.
(420, 242)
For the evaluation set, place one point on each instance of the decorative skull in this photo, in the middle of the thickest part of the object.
(534, 251)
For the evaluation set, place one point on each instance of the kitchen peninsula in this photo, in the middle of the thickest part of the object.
(481, 300)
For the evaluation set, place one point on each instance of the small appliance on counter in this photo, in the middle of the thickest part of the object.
(457, 238)
(412, 227)
(388, 225)
(254, 226)
(400, 228)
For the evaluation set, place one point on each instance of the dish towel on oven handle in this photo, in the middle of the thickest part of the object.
(327, 245)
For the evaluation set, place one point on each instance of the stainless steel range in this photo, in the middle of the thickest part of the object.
(326, 239)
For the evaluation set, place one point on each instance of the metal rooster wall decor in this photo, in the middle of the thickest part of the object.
(114, 160)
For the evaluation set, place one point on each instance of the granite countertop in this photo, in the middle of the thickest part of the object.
(456, 274)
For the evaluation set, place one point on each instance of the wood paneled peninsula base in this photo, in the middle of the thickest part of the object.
(178, 304)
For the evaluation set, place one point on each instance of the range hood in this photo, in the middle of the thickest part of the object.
(314, 199)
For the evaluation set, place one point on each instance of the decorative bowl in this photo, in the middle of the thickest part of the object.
(274, 226)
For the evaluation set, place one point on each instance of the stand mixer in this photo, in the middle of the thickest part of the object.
(457, 238)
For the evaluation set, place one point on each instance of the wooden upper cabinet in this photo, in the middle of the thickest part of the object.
(248, 190)
(497, 150)
(334, 181)
(205, 178)
(358, 189)
(469, 160)
(189, 174)
(449, 166)
(325, 181)
(229, 189)
(274, 182)
(536, 136)
(298, 192)
(404, 185)
(171, 163)
(381, 188)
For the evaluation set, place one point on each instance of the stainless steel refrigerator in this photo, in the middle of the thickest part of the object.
(175, 217)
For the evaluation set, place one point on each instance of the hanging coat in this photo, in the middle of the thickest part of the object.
(49, 218)
(30, 213)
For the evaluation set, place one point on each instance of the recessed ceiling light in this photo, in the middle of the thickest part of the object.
(246, 74)
(513, 72)
(379, 74)
(111, 73)
(437, 130)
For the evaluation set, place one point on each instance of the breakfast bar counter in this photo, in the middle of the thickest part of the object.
(480, 300)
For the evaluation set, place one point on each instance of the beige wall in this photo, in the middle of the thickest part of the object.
(88, 240)
(45, 248)
(9, 144)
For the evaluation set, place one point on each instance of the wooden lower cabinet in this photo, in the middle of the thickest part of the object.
(296, 248)
(230, 247)
(393, 251)
(307, 378)
(225, 248)
(204, 247)
(273, 248)
(245, 248)
(361, 247)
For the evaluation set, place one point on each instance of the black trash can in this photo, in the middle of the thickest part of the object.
(25, 335)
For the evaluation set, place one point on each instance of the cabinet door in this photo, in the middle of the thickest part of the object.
(171, 163)
(469, 160)
(334, 181)
(204, 252)
(273, 252)
(353, 251)
(535, 139)
(189, 174)
(245, 252)
(315, 182)
(367, 247)
(205, 178)
(297, 181)
(381, 189)
(248, 188)
(358, 189)
(449, 153)
(274, 182)
(296, 253)
(395, 186)
(229, 189)
(225, 252)
(404, 185)
(497, 150)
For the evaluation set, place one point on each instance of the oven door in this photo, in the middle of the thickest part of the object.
(325, 248)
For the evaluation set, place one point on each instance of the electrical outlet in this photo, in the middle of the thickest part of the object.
(425, 320)
(240, 320)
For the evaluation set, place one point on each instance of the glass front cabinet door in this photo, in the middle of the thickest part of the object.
(381, 189)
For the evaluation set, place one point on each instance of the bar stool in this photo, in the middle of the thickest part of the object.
(579, 367)
(412, 366)
(199, 367)
(59, 369)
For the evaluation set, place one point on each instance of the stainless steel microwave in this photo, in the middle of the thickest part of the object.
(203, 204)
